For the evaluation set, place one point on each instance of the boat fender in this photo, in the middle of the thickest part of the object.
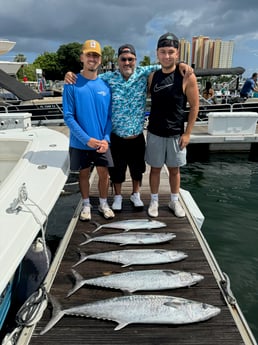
(34, 268)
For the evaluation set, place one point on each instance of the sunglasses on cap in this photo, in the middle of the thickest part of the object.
(130, 59)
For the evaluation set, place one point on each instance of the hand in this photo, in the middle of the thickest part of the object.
(103, 147)
(185, 70)
(70, 78)
(94, 143)
(184, 140)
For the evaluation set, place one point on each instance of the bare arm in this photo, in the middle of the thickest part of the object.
(190, 88)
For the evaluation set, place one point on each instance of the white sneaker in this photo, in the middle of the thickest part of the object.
(106, 211)
(117, 203)
(176, 207)
(85, 212)
(136, 201)
(153, 210)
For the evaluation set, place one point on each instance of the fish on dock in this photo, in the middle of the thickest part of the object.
(143, 309)
(133, 224)
(124, 238)
(145, 280)
(128, 257)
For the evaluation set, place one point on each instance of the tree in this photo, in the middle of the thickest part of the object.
(29, 71)
(68, 56)
(48, 62)
(145, 61)
(20, 58)
(108, 57)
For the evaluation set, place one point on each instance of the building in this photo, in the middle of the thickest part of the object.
(208, 53)
(185, 51)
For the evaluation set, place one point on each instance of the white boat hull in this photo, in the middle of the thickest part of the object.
(34, 166)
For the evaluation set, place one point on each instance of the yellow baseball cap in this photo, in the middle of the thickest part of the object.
(91, 46)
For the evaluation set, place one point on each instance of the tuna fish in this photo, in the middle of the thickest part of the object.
(124, 238)
(130, 224)
(152, 309)
(129, 257)
(145, 280)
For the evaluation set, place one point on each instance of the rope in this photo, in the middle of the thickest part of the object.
(22, 198)
(32, 310)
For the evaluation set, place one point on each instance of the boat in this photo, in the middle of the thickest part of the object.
(34, 166)
(231, 103)
(9, 67)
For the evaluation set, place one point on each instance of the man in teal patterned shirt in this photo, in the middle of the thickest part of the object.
(129, 93)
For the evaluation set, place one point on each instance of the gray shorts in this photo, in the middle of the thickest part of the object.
(162, 150)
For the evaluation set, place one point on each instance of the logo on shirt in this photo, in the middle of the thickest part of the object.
(159, 88)
(103, 93)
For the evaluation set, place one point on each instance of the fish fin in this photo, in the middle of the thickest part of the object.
(79, 282)
(120, 325)
(88, 239)
(173, 304)
(83, 257)
(128, 292)
(57, 314)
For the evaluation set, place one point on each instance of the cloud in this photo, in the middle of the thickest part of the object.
(39, 26)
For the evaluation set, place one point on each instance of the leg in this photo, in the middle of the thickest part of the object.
(84, 182)
(84, 188)
(117, 173)
(135, 158)
(118, 188)
(136, 186)
(154, 180)
(103, 184)
(174, 181)
(103, 181)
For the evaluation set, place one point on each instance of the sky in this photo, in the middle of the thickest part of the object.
(42, 26)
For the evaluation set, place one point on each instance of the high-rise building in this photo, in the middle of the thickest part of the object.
(207, 53)
(185, 51)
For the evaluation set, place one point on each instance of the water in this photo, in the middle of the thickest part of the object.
(226, 191)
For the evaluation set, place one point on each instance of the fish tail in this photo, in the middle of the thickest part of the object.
(57, 314)
(79, 282)
(97, 229)
(88, 239)
(97, 225)
(83, 257)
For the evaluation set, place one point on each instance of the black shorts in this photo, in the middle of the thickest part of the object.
(82, 159)
(127, 153)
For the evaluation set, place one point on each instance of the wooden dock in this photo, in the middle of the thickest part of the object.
(72, 330)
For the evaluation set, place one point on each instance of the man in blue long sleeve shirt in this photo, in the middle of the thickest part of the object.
(87, 113)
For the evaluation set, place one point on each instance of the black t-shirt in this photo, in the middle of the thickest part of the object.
(168, 103)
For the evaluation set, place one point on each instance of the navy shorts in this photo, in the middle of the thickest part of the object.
(127, 153)
(82, 159)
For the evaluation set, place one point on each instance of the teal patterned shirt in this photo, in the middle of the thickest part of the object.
(128, 100)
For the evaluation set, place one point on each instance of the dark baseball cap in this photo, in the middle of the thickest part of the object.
(168, 40)
(126, 48)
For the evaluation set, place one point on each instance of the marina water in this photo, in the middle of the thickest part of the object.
(225, 189)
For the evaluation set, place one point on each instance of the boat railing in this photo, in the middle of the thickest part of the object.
(204, 109)
(3, 109)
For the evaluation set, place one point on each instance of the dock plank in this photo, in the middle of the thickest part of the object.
(74, 330)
